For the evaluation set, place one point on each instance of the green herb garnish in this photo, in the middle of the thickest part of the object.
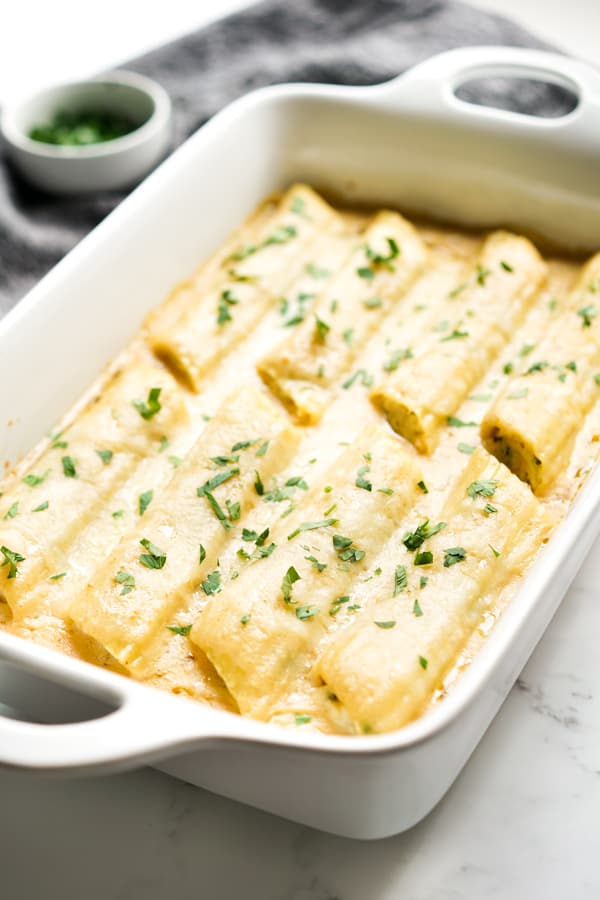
(485, 488)
(11, 558)
(454, 555)
(82, 128)
(311, 526)
(400, 580)
(33, 480)
(68, 464)
(154, 558)
(126, 580)
(144, 501)
(152, 406)
(105, 456)
(182, 630)
(287, 582)
(212, 583)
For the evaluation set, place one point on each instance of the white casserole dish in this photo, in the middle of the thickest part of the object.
(409, 143)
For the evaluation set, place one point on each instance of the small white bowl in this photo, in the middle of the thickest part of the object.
(107, 165)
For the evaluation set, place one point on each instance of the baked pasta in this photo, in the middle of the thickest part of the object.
(309, 487)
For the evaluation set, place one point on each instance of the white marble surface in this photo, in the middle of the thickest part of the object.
(522, 822)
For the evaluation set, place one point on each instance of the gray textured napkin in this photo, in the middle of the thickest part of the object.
(340, 41)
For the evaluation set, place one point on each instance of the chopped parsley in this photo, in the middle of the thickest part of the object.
(245, 619)
(225, 460)
(494, 551)
(423, 487)
(287, 582)
(152, 406)
(417, 611)
(306, 612)
(482, 274)
(489, 509)
(453, 422)
(58, 576)
(484, 488)
(454, 335)
(400, 580)
(466, 448)
(11, 559)
(321, 330)
(423, 662)
(518, 395)
(526, 349)
(258, 485)
(412, 540)
(424, 558)
(217, 509)
(263, 448)
(302, 719)
(226, 300)
(373, 303)
(144, 501)
(338, 603)
(506, 266)
(316, 272)
(344, 549)
(212, 583)
(423, 581)
(41, 507)
(105, 456)
(389, 624)
(127, 580)
(365, 272)
(175, 461)
(396, 358)
(507, 368)
(365, 378)
(164, 443)
(361, 481)
(182, 630)
(12, 511)
(298, 206)
(537, 367)
(587, 313)
(154, 558)
(201, 554)
(454, 555)
(381, 259)
(311, 526)
(216, 480)
(68, 464)
(33, 480)
(319, 566)
(281, 235)
(234, 510)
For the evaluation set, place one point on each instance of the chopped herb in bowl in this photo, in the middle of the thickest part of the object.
(81, 129)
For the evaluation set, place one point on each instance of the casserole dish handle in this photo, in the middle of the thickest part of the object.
(139, 725)
(431, 85)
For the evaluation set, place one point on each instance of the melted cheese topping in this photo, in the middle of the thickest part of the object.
(310, 486)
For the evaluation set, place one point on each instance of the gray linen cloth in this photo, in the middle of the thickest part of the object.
(340, 41)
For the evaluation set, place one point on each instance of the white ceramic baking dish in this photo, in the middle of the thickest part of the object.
(409, 143)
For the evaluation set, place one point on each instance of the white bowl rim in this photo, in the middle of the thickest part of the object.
(159, 119)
